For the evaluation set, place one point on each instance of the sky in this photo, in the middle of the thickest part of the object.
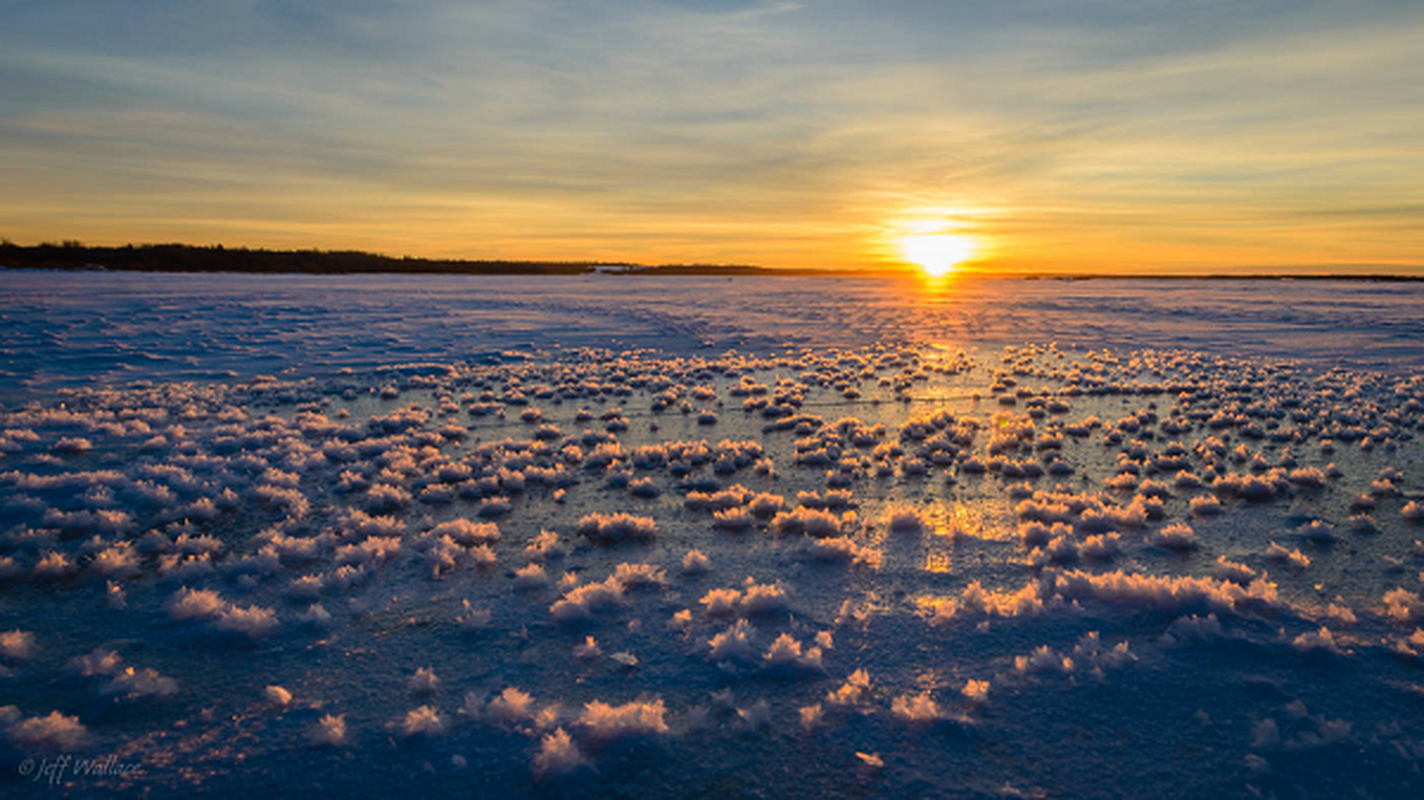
(1139, 136)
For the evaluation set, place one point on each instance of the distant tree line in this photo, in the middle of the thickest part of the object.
(73, 255)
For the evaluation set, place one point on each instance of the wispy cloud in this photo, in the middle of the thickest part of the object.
(1089, 134)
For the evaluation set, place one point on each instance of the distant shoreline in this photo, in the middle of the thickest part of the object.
(190, 259)
(1224, 276)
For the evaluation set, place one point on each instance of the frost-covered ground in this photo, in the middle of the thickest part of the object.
(458, 540)
(78, 329)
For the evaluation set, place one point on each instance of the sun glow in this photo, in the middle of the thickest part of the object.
(937, 254)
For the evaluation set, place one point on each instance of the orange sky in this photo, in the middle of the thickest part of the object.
(1092, 136)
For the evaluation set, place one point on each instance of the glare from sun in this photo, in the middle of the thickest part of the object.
(937, 254)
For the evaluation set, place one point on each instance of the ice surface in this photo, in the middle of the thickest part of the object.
(67, 329)
(932, 565)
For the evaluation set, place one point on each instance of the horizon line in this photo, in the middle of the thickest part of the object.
(402, 265)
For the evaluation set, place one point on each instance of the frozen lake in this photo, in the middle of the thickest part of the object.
(85, 328)
(684, 537)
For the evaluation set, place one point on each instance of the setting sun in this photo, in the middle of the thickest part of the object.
(937, 254)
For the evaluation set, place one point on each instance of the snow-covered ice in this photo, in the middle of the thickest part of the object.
(67, 329)
(676, 537)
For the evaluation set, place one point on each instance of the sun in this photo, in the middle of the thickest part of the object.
(937, 254)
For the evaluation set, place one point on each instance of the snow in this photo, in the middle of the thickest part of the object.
(1159, 555)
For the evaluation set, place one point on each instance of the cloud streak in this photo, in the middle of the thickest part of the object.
(1092, 135)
